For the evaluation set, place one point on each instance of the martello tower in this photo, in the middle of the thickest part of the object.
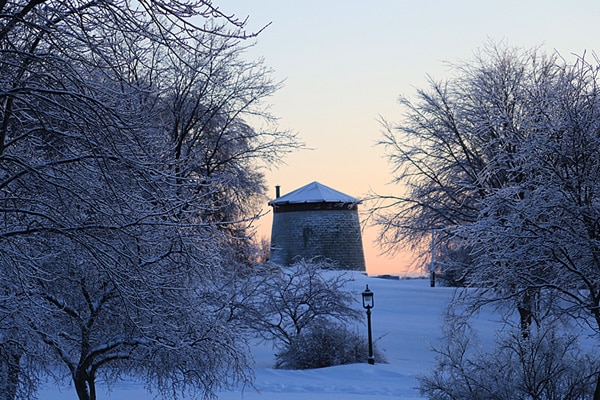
(317, 221)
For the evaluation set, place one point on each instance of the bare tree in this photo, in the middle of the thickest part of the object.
(456, 145)
(549, 365)
(294, 298)
(540, 238)
(208, 95)
(114, 265)
(502, 161)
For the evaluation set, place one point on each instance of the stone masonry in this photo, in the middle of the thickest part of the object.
(313, 229)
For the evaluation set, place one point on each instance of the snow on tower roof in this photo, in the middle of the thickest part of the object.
(314, 192)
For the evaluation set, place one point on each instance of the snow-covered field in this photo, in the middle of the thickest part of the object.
(406, 319)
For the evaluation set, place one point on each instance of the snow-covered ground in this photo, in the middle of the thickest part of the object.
(406, 319)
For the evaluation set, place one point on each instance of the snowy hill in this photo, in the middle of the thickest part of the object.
(406, 319)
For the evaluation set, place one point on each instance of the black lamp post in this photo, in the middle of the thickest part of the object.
(368, 303)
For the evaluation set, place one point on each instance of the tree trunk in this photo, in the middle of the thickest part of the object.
(525, 306)
(525, 316)
(80, 379)
(92, 386)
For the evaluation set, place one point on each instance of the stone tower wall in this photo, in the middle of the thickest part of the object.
(333, 234)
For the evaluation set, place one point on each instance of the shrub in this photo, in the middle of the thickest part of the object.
(293, 298)
(547, 365)
(325, 344)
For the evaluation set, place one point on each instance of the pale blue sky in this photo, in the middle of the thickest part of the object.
(345, 62)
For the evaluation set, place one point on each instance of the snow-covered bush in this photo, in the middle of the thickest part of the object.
(294, 298)
(304, 310)
(326, 344)
(546, 365)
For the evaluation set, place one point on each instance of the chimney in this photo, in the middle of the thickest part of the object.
(277, 191)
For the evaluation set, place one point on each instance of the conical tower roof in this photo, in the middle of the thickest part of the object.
(314, 192)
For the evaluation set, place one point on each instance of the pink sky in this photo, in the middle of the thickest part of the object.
(345, 62)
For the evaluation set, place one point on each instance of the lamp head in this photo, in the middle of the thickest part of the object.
(367, 298)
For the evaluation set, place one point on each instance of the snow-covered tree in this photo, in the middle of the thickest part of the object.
(207, 96)
(538, 241)
(549, 365)
(502, 162)
(457, 142)
(113, 239)
(289, 300)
